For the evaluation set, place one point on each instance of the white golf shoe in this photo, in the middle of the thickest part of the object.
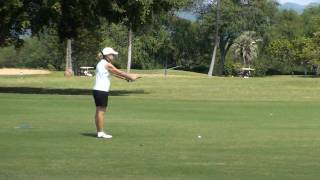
(103, 135)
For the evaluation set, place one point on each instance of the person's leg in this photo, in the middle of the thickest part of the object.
(99, 118)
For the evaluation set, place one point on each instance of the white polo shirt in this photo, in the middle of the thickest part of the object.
(103, 77)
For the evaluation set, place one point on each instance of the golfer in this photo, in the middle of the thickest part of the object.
(104, 69)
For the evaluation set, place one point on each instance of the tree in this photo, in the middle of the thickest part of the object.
(245, 47)
(302, 47)
(216, 44)
(286, 25)
(139, 13)
(311, 20)
(282, 51)
(315, 52)
(67, 16)
(76, 15)
(307, 52)
(13, 22)
(50, 41)
(236, 17)
(115, 35)
(188, 48)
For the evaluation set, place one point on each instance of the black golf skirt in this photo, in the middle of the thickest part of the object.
(100, 98)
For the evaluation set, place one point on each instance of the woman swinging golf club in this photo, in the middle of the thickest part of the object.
(104, 69)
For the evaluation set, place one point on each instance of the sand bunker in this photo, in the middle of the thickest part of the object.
(15, 71)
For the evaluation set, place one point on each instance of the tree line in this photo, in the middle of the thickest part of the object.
(150, 34)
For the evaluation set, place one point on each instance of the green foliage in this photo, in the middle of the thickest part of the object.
(50, 41)
(8, 57)
(234, 19)
(290, 41)
(153, 50)
(232, 69)
(261, 67)
(315, 51)
(245, 47)
(311, 20)
(85, 48)
(299, 52)
(13, 22)
(286, 25)
(307, 52)
(170, 40)
(116, 36)
(44, 51)
(145, 48)
(188, 48)
(33, 55)
(282, 55)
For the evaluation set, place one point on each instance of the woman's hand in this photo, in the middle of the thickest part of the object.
(134, 77)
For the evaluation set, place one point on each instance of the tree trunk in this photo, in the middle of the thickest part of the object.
(210, 73)
(213, 59)
(166, 68)
(292, 70)
(222, 57)
(305, 70)
(244, 60)
(68, 71)
(129, 49)
(317, 70)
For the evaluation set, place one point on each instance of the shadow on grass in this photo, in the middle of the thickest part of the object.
(94, 135)
(31, 90)
(308, 76)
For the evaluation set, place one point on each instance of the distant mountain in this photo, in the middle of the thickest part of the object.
(296, 7)
(187, 15)
(312, 5)
(292, 6)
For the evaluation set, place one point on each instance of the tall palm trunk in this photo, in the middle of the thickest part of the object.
(129, 49)
(305, 68)
(68, 71)
(213, 59)
(210, 73)
(223, 51)
(244, 58)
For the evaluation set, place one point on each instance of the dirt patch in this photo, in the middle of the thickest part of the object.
(15, 71)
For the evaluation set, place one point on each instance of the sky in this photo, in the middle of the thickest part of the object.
(301, 2)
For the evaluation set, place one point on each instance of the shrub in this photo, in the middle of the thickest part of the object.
(8, 57)
(232, 69)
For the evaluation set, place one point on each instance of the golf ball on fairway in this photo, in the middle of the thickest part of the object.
(199, 136)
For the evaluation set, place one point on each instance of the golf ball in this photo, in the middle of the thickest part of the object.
(199, 136)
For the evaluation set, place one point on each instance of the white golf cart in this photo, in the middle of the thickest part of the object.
(86, 71)
(246, 72)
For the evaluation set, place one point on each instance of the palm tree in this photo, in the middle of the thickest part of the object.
(68, 72)
(246, 47)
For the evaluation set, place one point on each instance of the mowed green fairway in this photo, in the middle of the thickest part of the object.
(259, 128)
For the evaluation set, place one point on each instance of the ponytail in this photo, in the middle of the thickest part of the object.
(102, 56)
(99, 56)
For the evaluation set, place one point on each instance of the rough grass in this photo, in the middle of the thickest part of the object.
(259, 128)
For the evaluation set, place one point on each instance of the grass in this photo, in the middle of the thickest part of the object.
(259, 128)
